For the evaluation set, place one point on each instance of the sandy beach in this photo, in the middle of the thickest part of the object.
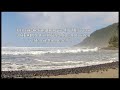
(108, 70)
(110, 73)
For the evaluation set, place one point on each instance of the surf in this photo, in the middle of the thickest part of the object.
(39, 51)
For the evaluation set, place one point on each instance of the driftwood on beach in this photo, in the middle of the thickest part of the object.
(40, 73)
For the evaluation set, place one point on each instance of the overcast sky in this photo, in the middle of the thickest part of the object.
(84, 20)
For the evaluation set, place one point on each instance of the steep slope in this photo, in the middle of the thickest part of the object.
(100, 38)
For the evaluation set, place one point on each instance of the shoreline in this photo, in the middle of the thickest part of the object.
(78, 72)
(109, 48)
(109, 73)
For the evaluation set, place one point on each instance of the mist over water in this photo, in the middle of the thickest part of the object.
(35, 58)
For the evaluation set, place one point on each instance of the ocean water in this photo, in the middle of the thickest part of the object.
(35, 58)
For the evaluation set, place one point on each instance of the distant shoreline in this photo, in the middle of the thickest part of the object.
(109, 48)
(67, 71)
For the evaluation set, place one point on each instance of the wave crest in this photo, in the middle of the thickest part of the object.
(39, 52)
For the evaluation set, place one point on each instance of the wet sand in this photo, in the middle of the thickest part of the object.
(108, 70)
(110, 73)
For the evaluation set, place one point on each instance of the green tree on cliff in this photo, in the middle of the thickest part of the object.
(113, 42)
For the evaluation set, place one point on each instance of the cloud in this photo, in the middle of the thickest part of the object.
(69, 19)
(112, 18)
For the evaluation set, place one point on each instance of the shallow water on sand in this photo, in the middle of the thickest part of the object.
(29, 58)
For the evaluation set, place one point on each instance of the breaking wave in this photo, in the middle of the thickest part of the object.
(49, 65)
(30, 51)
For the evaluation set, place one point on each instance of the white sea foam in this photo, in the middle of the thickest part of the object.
(51, 65)
(49, 62)
(30, 51)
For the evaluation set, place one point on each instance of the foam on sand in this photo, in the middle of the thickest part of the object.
(50, 65)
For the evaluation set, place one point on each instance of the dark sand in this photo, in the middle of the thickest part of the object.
(110, 69)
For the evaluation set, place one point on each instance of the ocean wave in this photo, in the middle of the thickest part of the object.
(32, 52)
(51, 65)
